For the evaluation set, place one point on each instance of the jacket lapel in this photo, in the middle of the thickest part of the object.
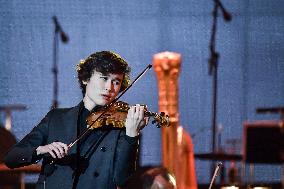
(70, 122)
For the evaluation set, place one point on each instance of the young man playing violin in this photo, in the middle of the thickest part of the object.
(103, 159)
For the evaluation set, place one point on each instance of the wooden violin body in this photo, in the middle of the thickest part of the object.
(116, 115)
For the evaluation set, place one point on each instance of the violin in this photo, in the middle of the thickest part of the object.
(116, 114)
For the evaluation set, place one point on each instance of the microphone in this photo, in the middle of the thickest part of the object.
(64, 36)
(215, 174)
(226, 15)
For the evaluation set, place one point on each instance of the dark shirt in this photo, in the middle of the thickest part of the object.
(89, 140)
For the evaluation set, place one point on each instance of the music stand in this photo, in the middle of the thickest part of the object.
(264, 142)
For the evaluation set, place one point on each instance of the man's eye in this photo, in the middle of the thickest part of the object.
(117, 82)
(104, 78)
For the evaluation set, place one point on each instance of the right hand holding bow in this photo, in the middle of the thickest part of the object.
(55, 149)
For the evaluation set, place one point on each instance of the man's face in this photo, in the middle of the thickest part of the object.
(102, 89)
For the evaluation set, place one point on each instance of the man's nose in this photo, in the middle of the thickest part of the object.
(108, 86)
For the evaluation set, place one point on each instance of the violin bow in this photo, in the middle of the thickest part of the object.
(86, 131)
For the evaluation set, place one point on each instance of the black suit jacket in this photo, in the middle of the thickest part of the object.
(109, 165)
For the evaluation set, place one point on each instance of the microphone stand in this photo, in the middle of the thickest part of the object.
(213, 67)
(58, 31)
(216, 171)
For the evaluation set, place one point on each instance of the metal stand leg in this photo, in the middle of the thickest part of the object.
(22, 181)
(243, 174)
(282, 176)
(251, 175)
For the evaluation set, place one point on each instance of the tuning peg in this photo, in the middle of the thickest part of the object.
(158, 125)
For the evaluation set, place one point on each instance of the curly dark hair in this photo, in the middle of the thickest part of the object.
(105, 62)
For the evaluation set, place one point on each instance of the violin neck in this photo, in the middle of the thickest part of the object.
(149, 114)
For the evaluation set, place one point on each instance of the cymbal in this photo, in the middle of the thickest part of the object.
(12, 107)
(219, 156)
(274, 110)
(26, 169)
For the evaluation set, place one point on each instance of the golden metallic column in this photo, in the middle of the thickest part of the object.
(177, 147)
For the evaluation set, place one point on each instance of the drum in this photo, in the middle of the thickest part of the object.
(7, 180)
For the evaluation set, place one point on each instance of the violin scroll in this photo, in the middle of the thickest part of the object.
(161, 119)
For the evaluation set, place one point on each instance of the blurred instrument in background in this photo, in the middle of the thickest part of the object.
(7, 140)
(219, 156)
(177, 147)
(26, 169)
(11, 178)
(273, 110)
(8, 113)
